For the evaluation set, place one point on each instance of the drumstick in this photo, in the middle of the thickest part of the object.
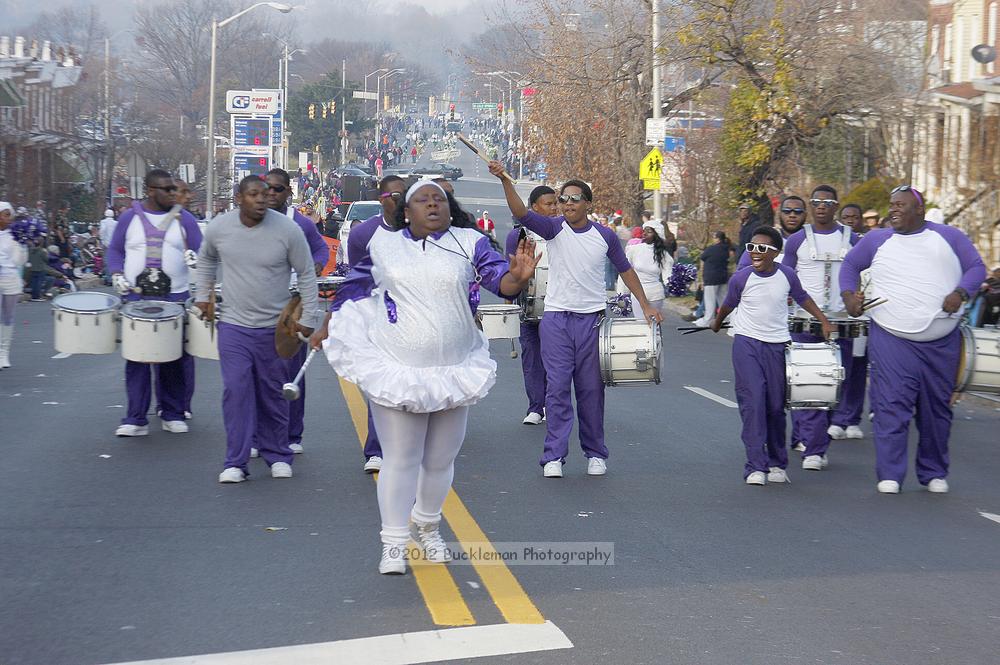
(485, 158)
(513, 349)
(869, 306)
(291, 391)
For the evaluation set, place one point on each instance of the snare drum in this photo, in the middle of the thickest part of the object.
(152, 331)
(979, 363)
(86, 322)
(500, 321)
(532, 299)
(846, 326)
(328, 285)
(629, 350)
(201, 335)
(814, 375)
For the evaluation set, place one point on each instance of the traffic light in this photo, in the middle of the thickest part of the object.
(312, 111)
(451, 111)
(500, 111)
(324, 105)
(333, 107)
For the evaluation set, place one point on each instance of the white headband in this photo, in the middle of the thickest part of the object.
(423, 182)
(6, 206)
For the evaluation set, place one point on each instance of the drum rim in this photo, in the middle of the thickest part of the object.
(131, 317)
(604, 352)
(498, 308)
(67, 296)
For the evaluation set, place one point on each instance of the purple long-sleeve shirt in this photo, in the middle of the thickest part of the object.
(115, 256)
(317, 246)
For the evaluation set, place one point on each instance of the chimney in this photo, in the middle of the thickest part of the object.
(4, 46)
(19, 47)
(46, 50)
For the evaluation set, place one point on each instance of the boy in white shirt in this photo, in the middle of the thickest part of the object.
(760, 327)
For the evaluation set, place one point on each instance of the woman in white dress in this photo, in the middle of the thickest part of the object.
(13, 256)
(653, 263)
(402, 328)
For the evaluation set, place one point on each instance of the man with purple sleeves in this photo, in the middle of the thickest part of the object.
(258, 249)
(390, 192)
(925, 271)
(816, 253)
(574, 306)
(150, 250)
(542, 200)
(279, 190)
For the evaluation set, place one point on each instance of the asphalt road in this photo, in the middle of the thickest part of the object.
(119, 550)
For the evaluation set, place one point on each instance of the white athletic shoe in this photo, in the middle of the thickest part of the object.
(532, 419)
(854, 432)
(132, 430)
(814, 462)
(756, 478)
(373, 464)
(175, 426)
(777, 475)
(429, 537)
(187, 415)
(393, 560)
(232, 475)
(597, 466)
(887, 487)
(254, 452)
(799, 447)
(281, 470)
(836, 432)
(938, 486)
(296, 448)
(552, 469)
(544, 416)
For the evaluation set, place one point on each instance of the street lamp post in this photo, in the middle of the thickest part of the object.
(210, 168)
(283, 85)
(377, 71)
(378, 104)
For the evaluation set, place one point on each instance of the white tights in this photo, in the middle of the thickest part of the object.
(419, 451)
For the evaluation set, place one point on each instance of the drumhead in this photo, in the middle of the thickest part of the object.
(152, 310)
(498, 309)
(87, 302)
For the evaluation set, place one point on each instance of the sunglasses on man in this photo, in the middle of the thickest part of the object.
(829, 203)
(395, 196)
(168, 189)
(570, 198)
(278, 189)
(759, 247)
(789, 211)
(911, 189)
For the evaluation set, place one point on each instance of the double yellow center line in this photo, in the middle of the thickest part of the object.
(435, 582)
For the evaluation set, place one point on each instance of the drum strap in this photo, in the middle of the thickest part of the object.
(828, 259)
(154, 235)
(474, 287)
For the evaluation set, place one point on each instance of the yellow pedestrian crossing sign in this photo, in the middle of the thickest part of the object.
(650, 169)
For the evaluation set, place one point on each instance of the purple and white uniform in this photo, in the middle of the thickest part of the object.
(575, 299)
(760, 332)
(914, 344)
(137, 243)
(817, 257)
(531, 347)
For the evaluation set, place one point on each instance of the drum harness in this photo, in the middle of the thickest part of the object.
(828, 259)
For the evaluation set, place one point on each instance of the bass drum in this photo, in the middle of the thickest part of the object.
(630, 351)
(979, 363)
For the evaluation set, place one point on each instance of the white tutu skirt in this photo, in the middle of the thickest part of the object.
(387, 382)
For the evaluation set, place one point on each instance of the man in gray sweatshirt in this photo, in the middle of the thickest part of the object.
(258, 249)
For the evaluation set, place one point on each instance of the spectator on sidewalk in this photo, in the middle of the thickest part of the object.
(715, 274)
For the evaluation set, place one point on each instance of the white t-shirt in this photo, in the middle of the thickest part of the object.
(172, 258)
(760, 302)
(652, 276)
(813, 272)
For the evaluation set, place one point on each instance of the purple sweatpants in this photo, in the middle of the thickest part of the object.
(372, 446)
(910, 378)
(810, 425)
(571, 358)
(297, 408)
(852, 400)
(531, 365)
(759, 369)
(253, 409)
(171, 382)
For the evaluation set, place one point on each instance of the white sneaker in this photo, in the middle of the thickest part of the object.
(756, 478)
(232, 475)
(777, 475)
(836, 432)
(430, 540)
(281, 470)
(296, 448)
(175, 426)
(552, 469)
(854, 432)
(887, 487)
(799, 447)
(373, 464)
(544, 416)
(254, 452)
(533, 419)
(938, 486)
(597, 466)
(187, 415)
(393, 560)
(814, 462)
(132, 430)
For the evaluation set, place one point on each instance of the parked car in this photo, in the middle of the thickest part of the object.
(449, 171)
(358, 212)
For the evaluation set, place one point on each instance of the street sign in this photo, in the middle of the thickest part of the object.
(264, 102)
(673, 143)
(186, 173)
(251, 164)
(251, 131)
(650, 169)
(277, 117)
(362, 94)
(482, 106)
(656, 129)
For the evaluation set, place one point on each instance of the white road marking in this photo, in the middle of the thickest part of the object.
(399, 649)
(990, 516)
(62, 356)
(712, 396)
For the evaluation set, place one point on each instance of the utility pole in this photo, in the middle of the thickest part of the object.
(343, 115)
(657, 102)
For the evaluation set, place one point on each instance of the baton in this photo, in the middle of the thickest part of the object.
(485, 158)
(291, 391)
